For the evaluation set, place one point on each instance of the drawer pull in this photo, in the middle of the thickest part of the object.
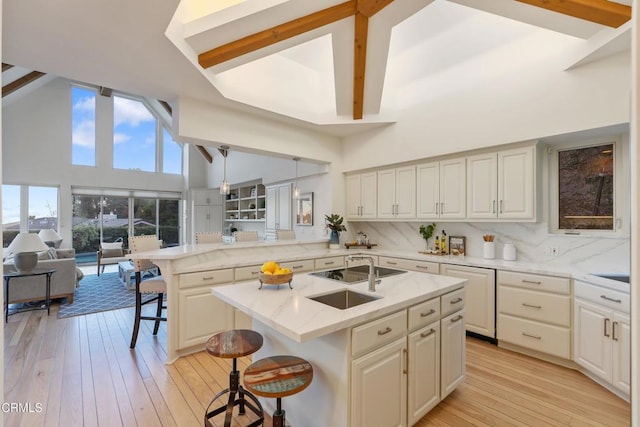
(297, 266)
(457, 300)
(426, 267)
(255, 272)
(455, 319)
(532, 282)
(329, 262)
(531, 305)
(207, 278)
(385, 332)
(429, 313)
(426, 334)
(606, 322)
(613, 331)
(617, 301)
(531, 336)
(391, 262)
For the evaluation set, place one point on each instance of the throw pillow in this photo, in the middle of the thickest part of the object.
(115, 245)
(112, 253)
(44, 255)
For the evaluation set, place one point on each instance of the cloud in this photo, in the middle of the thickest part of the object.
(87, 104)
(84, 134)
(128, 111)
(119, 138)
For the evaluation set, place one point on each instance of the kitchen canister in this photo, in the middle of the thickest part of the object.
(489, 250)
(509, 252)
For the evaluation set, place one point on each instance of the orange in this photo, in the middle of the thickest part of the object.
(269, 266)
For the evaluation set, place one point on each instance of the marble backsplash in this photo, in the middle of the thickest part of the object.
(592, 254)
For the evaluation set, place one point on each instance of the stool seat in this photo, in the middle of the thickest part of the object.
(234, 343)
(278, 376)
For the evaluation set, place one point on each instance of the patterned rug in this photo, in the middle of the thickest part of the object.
(98, 294)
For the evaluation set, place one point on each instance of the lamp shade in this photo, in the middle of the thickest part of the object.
(50, 237)
(25, 246)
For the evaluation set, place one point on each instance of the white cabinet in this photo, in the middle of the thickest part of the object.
(480, 289)
(441, 189)
(206, 210)
(424, 372)
(278, 209)
(361, 193)
(502, 185)
(397, 192)
(452, 359)
(602, 334)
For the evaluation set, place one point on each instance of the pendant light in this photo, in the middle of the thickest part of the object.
(224, 187)
(296, 189)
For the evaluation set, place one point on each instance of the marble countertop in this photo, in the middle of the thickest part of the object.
(291, 313)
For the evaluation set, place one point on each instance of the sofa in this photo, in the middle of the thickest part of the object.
(63, 282)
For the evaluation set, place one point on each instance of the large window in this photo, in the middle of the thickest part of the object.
(171, 154)
(134, 135)
(83, 126)
(28, 208)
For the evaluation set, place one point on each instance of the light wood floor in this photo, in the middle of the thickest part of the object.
(82, 372)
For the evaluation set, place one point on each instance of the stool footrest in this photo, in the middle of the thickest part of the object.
(244, 400)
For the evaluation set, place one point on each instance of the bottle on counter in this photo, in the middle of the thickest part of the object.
(443, 242)
(437, 248)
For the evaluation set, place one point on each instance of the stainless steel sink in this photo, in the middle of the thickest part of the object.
(344, 299)
(619, 277)
(356, 274)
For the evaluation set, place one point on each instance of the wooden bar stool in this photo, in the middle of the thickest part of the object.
(278, 376)
(233, 344)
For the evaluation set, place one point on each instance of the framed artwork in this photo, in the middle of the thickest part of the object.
(457, 245)
(304, 209)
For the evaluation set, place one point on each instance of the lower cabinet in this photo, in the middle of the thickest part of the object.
(201, 315)
(424, 363)
(452, 354)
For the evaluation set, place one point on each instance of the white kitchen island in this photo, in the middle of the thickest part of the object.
(386, 362)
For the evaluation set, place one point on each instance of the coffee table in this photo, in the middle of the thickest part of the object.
(125, 273)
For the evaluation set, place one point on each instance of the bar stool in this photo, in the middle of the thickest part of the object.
(278, 376)
(233, 344)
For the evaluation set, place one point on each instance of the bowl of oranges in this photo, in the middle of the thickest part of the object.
(272, 273)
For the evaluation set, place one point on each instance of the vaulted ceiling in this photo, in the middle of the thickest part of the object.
(302, 66)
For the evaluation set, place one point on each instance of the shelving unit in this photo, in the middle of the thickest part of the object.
(246, 204)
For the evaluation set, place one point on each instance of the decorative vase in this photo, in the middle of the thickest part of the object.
(334, 240)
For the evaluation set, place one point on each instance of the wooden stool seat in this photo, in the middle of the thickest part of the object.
(234, 343)
(278, 376)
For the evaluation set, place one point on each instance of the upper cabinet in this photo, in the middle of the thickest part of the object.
(441, 189)
(502, 185)
(397, 192)
(279, 209)
(361, 194)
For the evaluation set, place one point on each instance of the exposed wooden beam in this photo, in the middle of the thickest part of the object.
(602, 12)
(166, 106)
(276, 34)
(370, 7)
(21, 82)
(205, 153)
(6, 67)
(359, 63)
(105, 91)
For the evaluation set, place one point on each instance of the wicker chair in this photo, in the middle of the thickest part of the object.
(208, 237)
(285, 235)
(245, 236)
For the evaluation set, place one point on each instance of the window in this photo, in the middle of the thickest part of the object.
(172, 154)
(28, 208)
(134, 135)
(43, 208)
(10, 213)
(83, 125)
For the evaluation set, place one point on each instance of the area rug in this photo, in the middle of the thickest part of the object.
(98, 293)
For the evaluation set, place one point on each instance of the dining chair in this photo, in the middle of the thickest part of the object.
(245, 236)
(208, 237)
(150, 285)
(285, 235)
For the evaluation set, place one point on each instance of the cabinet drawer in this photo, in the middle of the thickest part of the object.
(424, 313)
(557, 285)
(606, 297)
(378, 332)
(211, 277)
(546, 307)
(453, 301)
(247, 273)
(299, 266)
(408, 264)
(549, 339)
(329, 262)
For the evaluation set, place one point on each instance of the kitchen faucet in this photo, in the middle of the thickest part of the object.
(372, 275)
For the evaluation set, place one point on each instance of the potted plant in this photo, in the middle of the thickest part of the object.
(427, 232)
(334, 223)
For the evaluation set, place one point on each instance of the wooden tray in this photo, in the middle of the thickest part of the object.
(430, 253)
(275, 279)
(351, 245)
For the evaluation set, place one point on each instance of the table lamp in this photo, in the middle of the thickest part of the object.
(50, 237)
(25, 247)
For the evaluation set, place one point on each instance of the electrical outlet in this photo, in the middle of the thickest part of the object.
(555, 251)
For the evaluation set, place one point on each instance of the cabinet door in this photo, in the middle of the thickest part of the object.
(369, 195)
(480, 292)
(207, 218)
(271, 208)
(621, 338)
(453, 185)
(592, 338)
(387, 193)
(405, 192)
(516, 183)
(452, 360)
(482, 186)
(423, 372)
(379, 387)
(428, 190)
(284, 207)
(201, 315)
(353, 202)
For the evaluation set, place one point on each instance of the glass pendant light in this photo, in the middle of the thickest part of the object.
(296, 189)
(224, 187)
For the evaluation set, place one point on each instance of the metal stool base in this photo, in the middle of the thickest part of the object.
(235, 388)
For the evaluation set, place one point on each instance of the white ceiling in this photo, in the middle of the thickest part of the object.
(122, 44)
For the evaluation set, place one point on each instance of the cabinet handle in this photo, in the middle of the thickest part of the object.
(531, 336)
(429, 313)
(436, 208)
(255, 272)
(606, 322)
(329, 262)
(617, 301)
(457, 300)
(531, 305)
(297, 266)
(458, 317)
(532, 282)
(500, 206)
(613, 331)
(426, 334)
(493, 209)
(207, 278)
(406, 361)
(391, 262)
(426, 267)
(385, 332)
(441, 208)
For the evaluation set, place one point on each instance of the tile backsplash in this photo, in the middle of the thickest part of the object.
(593, 254)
